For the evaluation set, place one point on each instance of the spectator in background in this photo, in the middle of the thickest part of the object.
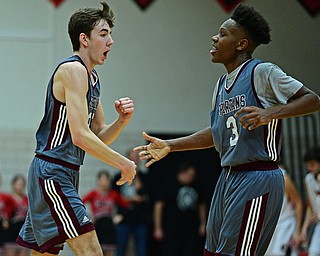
(286, 236)
(104, 201)
(180, 215)
(6, 206)
(16, 219)
(312, 186)
(135, 218)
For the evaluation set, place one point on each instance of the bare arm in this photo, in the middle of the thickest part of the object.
(309, 217)
(199, 140)
(203, 218)
(306, 224)
(295, 198)
(158, 149)
(304, 102)
(157, 219)
(70, 86)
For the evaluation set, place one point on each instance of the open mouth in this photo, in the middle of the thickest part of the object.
(214, 49)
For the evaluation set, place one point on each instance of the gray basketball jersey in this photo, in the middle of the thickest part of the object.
(235, 144)
(53, 136)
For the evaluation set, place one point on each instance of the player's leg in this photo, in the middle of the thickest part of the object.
(54, 198)
(215, 215)
(23, 252)
(273, 209)
(250, 204)
(35, 253)
(86, 244)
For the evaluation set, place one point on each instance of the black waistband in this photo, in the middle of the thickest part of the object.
(59, 161)
(253, 166)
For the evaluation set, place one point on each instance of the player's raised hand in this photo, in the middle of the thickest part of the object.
(154, 151)
(125, 108)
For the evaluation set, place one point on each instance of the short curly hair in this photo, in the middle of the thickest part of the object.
(84, 21)
(253, 23)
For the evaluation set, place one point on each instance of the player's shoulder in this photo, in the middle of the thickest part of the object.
(72, 67)
(264, 67)
(265, 70)
(69, 72)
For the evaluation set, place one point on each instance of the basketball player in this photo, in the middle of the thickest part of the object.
(73, 124)
(248, 105)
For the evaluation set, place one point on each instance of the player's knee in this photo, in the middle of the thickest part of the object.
(94, 252)
(35, 253)
(86, 244)
(90, 251)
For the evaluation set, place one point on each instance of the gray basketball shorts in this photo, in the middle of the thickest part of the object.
(244, 212)
(55, 211)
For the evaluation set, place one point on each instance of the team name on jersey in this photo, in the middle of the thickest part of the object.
(232, 104)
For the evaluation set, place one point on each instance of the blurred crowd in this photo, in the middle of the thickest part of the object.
(13, 210)
(173, 222)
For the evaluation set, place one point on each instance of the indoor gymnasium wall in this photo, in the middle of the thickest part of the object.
(160, 58)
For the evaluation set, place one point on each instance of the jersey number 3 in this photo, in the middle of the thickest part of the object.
(232, 124)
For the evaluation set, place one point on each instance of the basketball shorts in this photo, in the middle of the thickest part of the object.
(244, 212)
(55, 211)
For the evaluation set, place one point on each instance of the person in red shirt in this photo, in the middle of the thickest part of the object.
(103, 202)
(6, 207)
(17, 217)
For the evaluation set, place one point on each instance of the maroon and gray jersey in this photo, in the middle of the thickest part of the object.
(252, 84)
(53, 137)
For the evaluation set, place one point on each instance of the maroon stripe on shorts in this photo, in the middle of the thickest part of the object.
(67, 215)
(259, 224)
(254, 166)
(246, 217)
(33, 246)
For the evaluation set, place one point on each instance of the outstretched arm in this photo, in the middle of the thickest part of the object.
(304, 102)
(158, 149)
